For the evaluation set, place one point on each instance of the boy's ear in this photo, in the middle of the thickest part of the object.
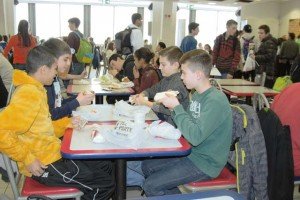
(200, 74)
(176, 64)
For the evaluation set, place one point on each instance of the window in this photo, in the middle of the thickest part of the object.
(147, 19)
(123, 17)
(68, 11)
(102, 23)
(21, 13)
(211, 24)
(207, 28)
(47, 20)
(182, 22)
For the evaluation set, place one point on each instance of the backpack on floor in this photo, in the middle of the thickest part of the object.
(85, 52)
(123, 42)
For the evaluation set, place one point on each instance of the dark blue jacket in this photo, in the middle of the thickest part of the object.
(68, 105)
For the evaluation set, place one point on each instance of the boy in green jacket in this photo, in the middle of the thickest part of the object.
(206, 125)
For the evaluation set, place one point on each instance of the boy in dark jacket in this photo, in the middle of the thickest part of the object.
(266, 55)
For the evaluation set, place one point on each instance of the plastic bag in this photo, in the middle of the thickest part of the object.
(126, 134)
(122, 108)
(164, 130)
(249, 64)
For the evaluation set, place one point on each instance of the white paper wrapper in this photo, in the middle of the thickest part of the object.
(162, 95)
(164, 130)
(122, 108)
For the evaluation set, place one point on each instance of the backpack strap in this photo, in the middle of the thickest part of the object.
(77, 34)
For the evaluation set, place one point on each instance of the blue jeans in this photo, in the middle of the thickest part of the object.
(135, 176)
(164, 175)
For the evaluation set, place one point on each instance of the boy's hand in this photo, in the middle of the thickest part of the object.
(170, 101)
(136, 72)
(36, 168)
(85, 99)
(139, 99)
(83, 74)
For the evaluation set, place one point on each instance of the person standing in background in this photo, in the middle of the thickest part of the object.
(247, 44)
(74, 41)
(136, 37)
(189, 42)
(21, 44)
(227, 51)
(288, 53)
(266, 56)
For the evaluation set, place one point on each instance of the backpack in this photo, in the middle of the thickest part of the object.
(84, 53)
(123, 42)
(245, 49)
(295, 71)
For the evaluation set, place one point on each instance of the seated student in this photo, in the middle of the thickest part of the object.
(121, 68)
(206, 125)
(59, 104)
(32, 142)
(170, 68)
(144, 74)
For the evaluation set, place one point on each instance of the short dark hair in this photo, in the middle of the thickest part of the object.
(292, 36)
(248, 28)
(38, 57)
(231, 22)
(135, 17)
(193, 26)
(265, 27)
(198, 59)
(144, 53)
(172, 53)
(75, 21)
(162, 45)
(58, 47)
(5, 38)
(114, 57)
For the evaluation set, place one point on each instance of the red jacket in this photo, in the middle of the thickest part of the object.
(148, 77)
(287, 106)
(20, 52)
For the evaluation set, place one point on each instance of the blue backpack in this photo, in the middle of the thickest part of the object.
(245, 49)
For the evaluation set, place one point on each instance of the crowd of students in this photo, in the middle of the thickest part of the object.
(43, 109)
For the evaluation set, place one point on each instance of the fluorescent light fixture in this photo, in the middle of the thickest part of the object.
(212, 3)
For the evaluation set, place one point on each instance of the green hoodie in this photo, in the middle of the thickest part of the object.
(207, 125)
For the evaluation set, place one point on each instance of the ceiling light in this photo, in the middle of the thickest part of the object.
(212, 3)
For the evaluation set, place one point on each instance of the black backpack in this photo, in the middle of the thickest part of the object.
(123, 43)
(295, 71)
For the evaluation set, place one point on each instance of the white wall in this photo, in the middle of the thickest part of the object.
(262, 13)
(288, 10)
(6, 17)
(274, 14)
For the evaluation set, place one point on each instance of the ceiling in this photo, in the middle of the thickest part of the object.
(234, 3)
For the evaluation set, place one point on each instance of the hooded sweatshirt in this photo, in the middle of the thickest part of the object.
(26, 131)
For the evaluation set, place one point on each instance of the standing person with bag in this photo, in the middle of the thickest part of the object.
(266, 55)
(73, 41)
(247, 46)
(21, 44)
(136, 36)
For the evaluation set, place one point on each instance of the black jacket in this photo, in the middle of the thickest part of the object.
(280, 157)
(266, 55)
(3, 94)
(127, 70)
